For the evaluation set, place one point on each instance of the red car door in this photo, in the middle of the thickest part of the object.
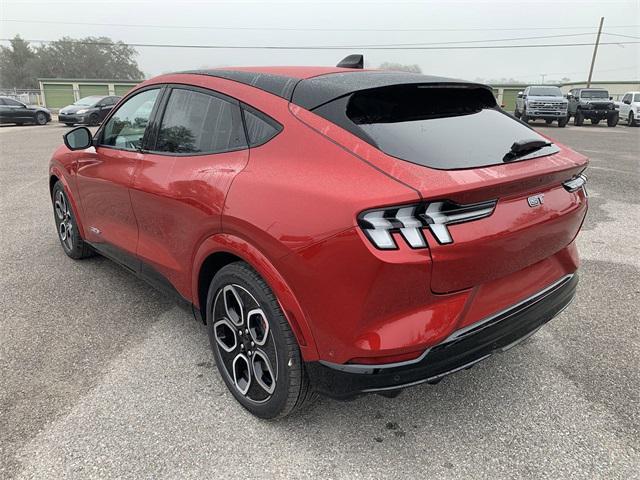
(179, 188)
(105, 174)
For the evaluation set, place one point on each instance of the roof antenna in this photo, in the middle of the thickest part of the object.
(352, 61)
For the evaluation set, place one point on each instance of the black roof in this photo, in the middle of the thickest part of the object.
(318, 90)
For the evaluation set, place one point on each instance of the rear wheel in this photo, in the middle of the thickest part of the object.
(562, 122)
(548, 121)
(255, 350)
(578, 119)
(41, 118)
(612, 120)
(68, 233)
(516, 113)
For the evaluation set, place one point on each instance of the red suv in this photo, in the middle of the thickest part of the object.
(339, 230)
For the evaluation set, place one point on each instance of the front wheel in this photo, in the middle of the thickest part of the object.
(94, 120)
(562, 122)
(524, 117)
(68, 233)
(612, 120)
(632, 121)
(255, 350)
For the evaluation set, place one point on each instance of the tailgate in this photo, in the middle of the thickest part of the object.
(515, 236)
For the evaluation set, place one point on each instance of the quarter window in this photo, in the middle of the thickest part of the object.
(125, 129)
(260, 128)
(199, 123)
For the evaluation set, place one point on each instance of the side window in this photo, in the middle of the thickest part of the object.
(260, 127)
(13, 103)
(107, 101)
(126, 127)
(195, 122)
(627, 97)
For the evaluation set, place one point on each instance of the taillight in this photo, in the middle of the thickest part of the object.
(409, 220)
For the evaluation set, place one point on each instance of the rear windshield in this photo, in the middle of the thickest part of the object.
(439, 127)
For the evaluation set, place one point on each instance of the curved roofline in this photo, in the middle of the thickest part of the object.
(310, 87)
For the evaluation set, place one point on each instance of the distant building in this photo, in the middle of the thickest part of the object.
(60, 92)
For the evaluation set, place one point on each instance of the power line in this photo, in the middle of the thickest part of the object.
(320, 47)
(305, 29)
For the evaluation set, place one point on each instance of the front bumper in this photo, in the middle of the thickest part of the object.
(460, 350)
(534, 113)
(597, 113)
(70, 118)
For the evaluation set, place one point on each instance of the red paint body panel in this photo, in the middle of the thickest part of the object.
(289, 208)
(178, 203)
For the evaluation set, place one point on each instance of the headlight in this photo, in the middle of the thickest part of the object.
(409, 220)
(84, 110)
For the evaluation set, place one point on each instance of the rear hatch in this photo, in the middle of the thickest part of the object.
(457, 149)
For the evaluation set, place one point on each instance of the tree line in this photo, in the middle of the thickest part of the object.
(21, 64)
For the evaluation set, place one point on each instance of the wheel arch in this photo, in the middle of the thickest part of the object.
(56, 175)
(222, 249)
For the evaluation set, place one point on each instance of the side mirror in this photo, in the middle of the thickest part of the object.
(520, 94)
(78, 139)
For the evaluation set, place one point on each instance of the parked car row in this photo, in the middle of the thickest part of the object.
(595, 104)
(88, 110)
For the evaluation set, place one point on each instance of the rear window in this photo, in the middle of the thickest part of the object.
(442, 127)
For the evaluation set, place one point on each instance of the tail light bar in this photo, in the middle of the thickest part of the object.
(409, 220)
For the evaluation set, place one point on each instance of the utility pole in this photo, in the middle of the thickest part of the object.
(543, 75)
(595, 51)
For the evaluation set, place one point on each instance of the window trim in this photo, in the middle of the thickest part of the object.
(98, 137)
(153, 137)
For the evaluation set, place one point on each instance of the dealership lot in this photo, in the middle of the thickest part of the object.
(101, 376)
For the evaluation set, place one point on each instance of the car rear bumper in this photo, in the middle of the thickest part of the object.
(460, 350)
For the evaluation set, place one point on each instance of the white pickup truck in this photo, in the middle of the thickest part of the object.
(629, 108)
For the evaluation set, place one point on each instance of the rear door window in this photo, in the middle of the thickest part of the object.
(435, 126)
(199, 123)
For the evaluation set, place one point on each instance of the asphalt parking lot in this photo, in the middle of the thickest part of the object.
(102, 377)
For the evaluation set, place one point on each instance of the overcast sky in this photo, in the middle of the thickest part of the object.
(350, 23)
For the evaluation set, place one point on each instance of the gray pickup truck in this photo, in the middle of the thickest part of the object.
(594, 104)
(546, 103)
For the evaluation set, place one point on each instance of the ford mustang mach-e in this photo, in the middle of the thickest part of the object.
(339, 230)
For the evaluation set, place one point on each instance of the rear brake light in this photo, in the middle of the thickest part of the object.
(409, 220)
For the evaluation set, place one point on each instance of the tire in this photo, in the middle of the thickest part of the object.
(68, 234)
(562, 122)
(516, 113)
(235, 291)
(595, 121)
(578, 120)
(632, 121)
(524, 117)
(612, 120)
(94, 120)
(41, 118)
(69, 124)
